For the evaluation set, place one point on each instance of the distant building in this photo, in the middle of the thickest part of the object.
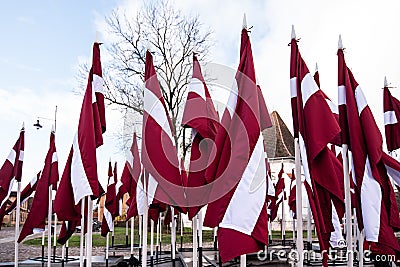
(9, 219)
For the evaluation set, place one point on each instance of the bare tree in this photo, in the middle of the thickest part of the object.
(173, 37)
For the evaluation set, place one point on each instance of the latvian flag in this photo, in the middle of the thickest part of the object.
(79, 178)
(12, 168)
(159, 154)
(317, 127)
(111, 205)
(200, 115)
(380, 215)
(238, 171)
(280, 195)
(36, 220)
(391, 116)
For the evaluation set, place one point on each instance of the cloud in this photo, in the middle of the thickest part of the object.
(26, 20)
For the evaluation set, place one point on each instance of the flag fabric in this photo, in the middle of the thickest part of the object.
(36, 220)
(25, 193)
(292, 196)
(280, 195)
(200, 115)
(12, 168)
(380, 216)
(391, 116)
(131, 182)
(238, 170)
(317, 127)
(159, 154)
(110, 205)
(79, 178)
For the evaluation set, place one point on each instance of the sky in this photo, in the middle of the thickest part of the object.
(44, 42)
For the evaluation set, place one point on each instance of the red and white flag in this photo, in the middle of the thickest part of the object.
(159, 154)
(25, 193)
(36, 220)
(111, 205)
(391, 116)
(238, 171)
(317, 127)
(131, 182)
(12, 168)
(292, 196)
(380, 215)
(280, 195)
(200, 115)
(79, 178)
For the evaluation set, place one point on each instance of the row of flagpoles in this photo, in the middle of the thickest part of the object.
(356, 183)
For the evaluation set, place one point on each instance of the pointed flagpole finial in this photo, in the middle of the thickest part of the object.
(340, 44)
(385, 83)
(53, 129)
(96, 40)
(23, 126)
(316, 67)
(147, 45)
(244, 26)
(293, 36)
(109, 160)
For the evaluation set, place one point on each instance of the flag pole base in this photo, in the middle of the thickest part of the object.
(219, 260)
(200, 256)
(66, 253)
(54, 253)
(106, 262)
(157, 252)
(62, 263)
(284, 240)
(215, 244)
(151, 261)
(181, 242)
(173, 262)
(140, 252)
(42, 252)
(126, 241)
(112, 241)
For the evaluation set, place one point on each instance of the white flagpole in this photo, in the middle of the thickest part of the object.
(243, 260)
(140, 230)
(309, 231)
(158, 236)
(283, 220)
(200, 217)
(347, 198)
(107, 246)
(299, 204)
(145, 222)
(82, 236)
(173, 234)
(89, 231)
(151, 241)
(55, 235)
(361, 245)
(17, 219)
(132, 233)
(49, 216)
(43, 246)
(194, 222)
(63, 253)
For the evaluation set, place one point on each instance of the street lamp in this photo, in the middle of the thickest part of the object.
(38, 125)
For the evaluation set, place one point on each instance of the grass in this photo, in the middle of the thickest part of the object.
(119, 235)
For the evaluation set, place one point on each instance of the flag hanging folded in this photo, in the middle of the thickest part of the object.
(79, 178)
(131, 181)
(292, 196)
(391, 116)
(200, 115)
(159, 154)
(380, 216)
(280, 195)
(317, 127)
(12, 168)
(238, 170)
(111, 205)
(36, 220)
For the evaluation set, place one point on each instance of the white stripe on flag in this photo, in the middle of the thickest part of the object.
(341, 95)
(308, 88)
(251, 190)
(232, 100)
(97, 84)
(151, 189)
(293, 87)
(109, 220)
(139, 197)
(34, 179)
(371, 201)
(11, 156)
(130, 159)
(360, 99)
(395, 175)
(21, 155)
(304, 160)
(336, 235)
(79, 180)
(196, 86)
(332, 106)
(9, 191)
(389, 117)
(54, 157)
(155, 109)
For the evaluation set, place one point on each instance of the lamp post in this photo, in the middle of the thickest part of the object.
(39, 126)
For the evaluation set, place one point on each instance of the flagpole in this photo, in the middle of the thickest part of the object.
(145, 222)
(126, 234)
(181, 223)
(89, 232)
(151, 242)
(132, 235)
(200, 217)
(283, 225)
(243, 260)
(140, 236)
(42, 248)
(107, 247)
(194, 222)
(17, 218)
(82, 236)
(49, 216)
(55, 232)
(158, 237)
(347, 198)
(173, 236)
(309, 232)
(299, 204)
